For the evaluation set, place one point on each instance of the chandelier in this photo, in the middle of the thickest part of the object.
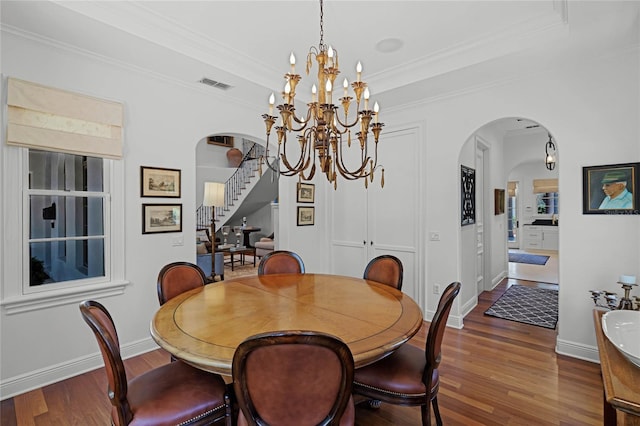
(550, 151)
(324, 132)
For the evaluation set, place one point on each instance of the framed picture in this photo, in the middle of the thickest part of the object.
(498, 201)
(611, 189)
(306, 216)
(306, 192)
(155, 182)
(157, 218)
(468, 195)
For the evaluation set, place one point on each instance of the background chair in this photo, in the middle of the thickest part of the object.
(175, 393)
(294, 378)
(281, 262)
(385, 269)
(176, 278)
(409, 376)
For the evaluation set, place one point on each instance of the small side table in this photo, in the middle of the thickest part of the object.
(246, 231)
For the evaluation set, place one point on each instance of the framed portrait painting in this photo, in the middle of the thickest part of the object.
(158, 218)
(306, 192)
(155, 182)
(468, 195)
(611, 189)
(306, 216)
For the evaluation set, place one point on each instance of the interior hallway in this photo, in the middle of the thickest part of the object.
(547, 273)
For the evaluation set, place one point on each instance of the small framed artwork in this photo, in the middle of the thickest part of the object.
(612, 189)
(306, 192)
(468, 195)
(155, 182)
(306, 216)
(498, 201)
(158, 218)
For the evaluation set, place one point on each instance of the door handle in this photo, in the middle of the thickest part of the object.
(364, 242)
(371, 242)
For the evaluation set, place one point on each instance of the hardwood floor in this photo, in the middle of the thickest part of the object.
(493, 372)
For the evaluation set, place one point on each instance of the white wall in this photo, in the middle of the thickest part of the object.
(163, 124)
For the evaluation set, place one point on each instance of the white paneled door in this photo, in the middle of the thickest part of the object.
(366, 223)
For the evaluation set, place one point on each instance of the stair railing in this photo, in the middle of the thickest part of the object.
(234, 186)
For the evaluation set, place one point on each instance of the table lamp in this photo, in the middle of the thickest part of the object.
(213, 196)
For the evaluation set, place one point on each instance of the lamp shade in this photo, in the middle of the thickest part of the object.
(213, 194)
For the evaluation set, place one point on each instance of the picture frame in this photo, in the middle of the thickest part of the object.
(161, 218)
(159, 182)
(498, 201)
(306, 216)
(612, 189)
(305, 192)
(468, 195)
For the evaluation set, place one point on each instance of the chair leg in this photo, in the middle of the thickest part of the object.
(426, 414)
(436, 411)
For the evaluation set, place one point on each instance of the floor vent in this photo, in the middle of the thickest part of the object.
(213, 83)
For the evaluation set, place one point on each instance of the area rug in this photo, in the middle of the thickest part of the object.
(529, 305)
(533, 259)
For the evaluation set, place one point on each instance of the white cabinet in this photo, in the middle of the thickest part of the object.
(538, 237)
(366, 223)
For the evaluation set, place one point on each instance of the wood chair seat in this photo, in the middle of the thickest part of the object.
(398, 376)
(176, 394)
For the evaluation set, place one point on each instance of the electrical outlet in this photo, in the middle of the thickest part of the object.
(436, 289)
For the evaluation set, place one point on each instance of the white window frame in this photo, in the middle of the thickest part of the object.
(14, 242)
(106, 214)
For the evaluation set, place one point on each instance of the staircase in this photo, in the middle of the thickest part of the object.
(236, 187)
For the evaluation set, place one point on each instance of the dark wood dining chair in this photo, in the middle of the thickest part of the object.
(172, 394)
(293, 378)
(409, 376)
(386, 269)
(176, 278)
(281, 262)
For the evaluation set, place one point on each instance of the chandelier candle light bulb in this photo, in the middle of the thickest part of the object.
(323, 134)
(627, 279)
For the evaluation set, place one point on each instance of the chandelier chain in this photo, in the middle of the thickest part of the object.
(321, 26)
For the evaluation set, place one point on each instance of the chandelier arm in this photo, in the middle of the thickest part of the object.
(347, 125)
(344, 169)
(304, 121)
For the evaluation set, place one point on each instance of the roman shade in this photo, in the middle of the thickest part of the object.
(50, 119)
(545, 185)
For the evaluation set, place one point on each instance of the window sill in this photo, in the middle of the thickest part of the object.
(32, 302)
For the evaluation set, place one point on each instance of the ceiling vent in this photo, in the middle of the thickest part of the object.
(213, 83)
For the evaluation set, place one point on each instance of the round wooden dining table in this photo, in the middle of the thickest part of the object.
(204, 326)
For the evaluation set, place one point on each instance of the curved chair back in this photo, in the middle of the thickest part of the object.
(103, 328)
(433, 347)
(293, 378)
(385, 269)
(176, 278)
(281, 262)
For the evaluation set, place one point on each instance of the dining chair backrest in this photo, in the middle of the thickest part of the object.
(437, 327)
(386, 269)
(101, 323)
(176, 278)
(293, 378)
(281, 262)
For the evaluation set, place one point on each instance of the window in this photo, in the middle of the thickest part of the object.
(68, 206)
(547, 203)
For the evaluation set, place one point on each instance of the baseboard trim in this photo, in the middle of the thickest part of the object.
(45, 376)
(578, 350)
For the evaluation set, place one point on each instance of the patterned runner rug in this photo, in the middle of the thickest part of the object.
(533, 259)
(529, 305)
